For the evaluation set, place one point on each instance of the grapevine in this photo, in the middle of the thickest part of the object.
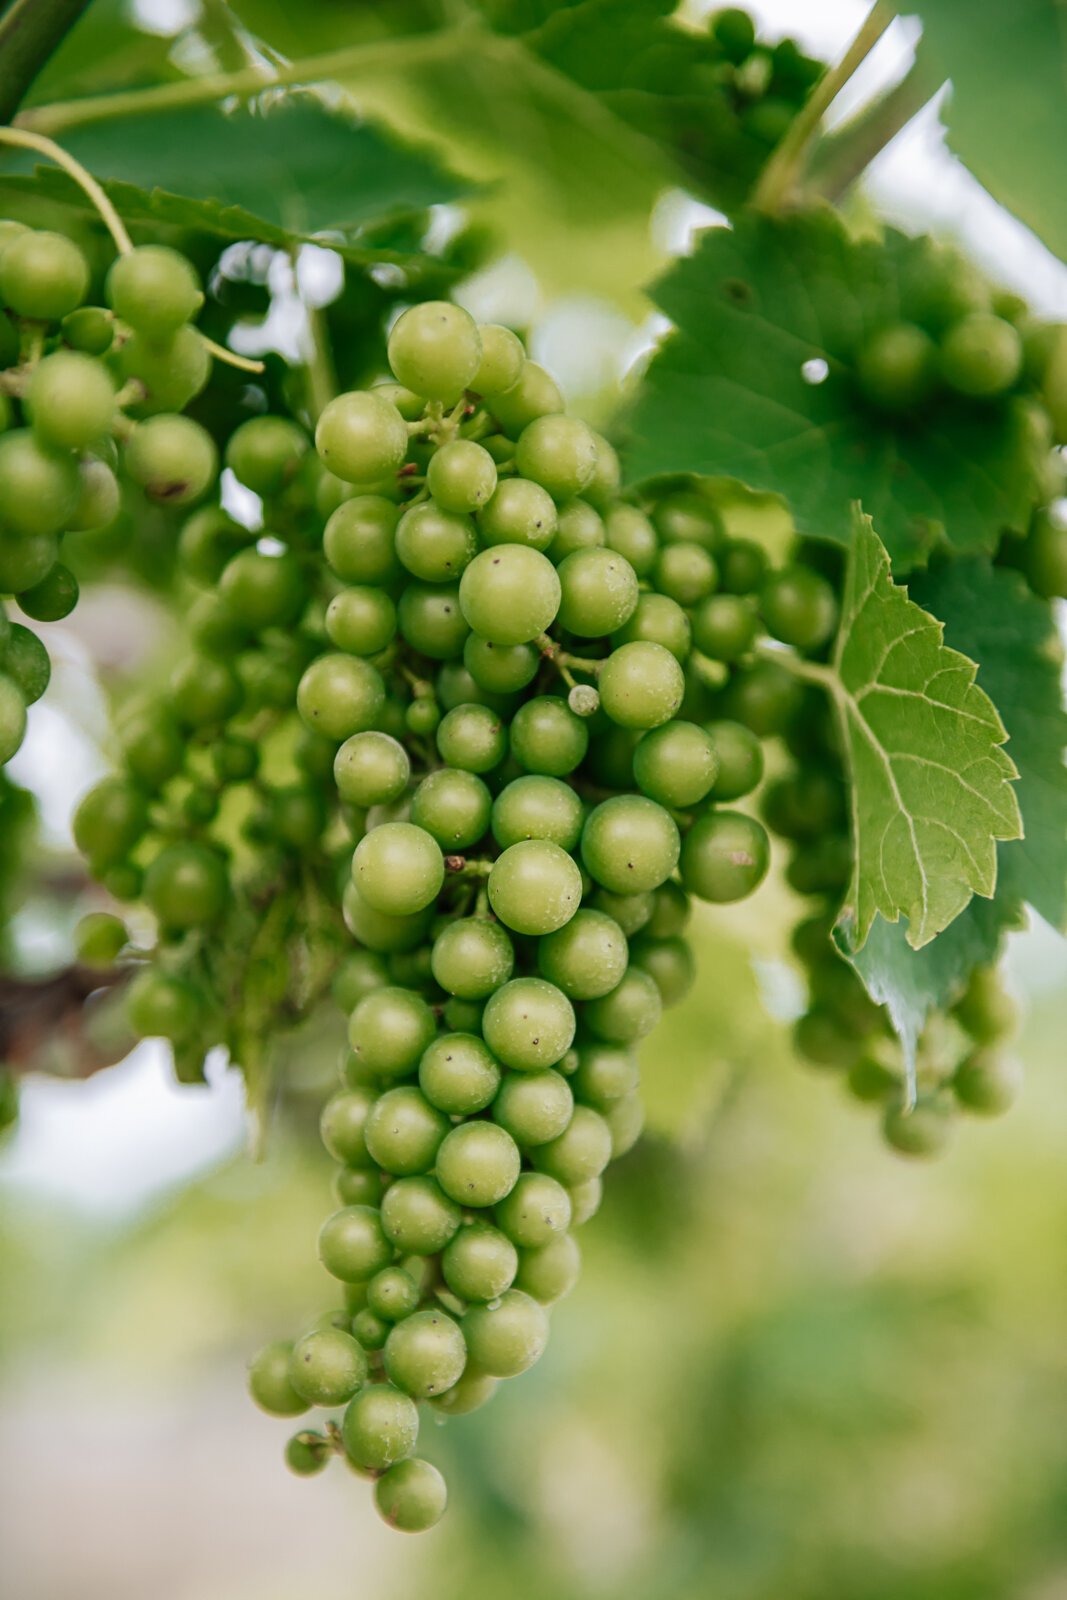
(464, 726)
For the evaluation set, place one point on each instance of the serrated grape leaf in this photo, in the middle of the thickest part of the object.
(729, 393)
(1007, 109)
(286, 169)
(931, 786)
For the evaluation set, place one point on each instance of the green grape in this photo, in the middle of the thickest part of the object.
(154, 289)
(586, 958)
(579, 527)
(533, 394)
(630, 844)
(389, 1030)
(392, 1294)
(626, 1123)
(359, 540)
(361, 972)
(26, 561)
(204, 692)
(509, 594)
(418, 1217)
(585, 1199)
(671, 912)
(669, 962)
(25, 662)
(410, 405)
(172, 458)
(304, 1457)
(411, 1496)
(765, 697)
(361, 437)
(461, 477)
(896, 368)
(38, 491)
(725, 856)
(985, 1010)
(599, 593)
(799, 607)
(641, 685)
(265, 452)
(454, 687)
(462, 1016)
(71, 401)
(478, 1164)
(549, 1272)
(528, 1024)
(12, 718)
(724, 627)
(501, 361)
(472, 957)
(458, 1074)
(269, 1383)
(501, 669)
(580, 1152)
(356, 1186)
(422, 718)
(740, 760)
(371, 769)
(353, 1245)
(99, 939)
(820, 1038)
(534, 887)
(264, 591)
(480, 1262)
(433, 544)
(547, 738)
(162, 1005)
(559, 453)
(109, 821)
(605, 1072)
(186, 886)
(520, 512)
(734, 31)
(686, 517)
(872, 1083)
(630, 911)
(1044, 557)
(987, 1082)
(43, 276)
(537, 1210)
(170, 374)
(207, 542)
(403, 1132)
(379, 1427)
(398, 868)
(472, 738)
(676, 764)
(742, 566)
(505, 1339)
(339, 695)
(98, 498)
(435, 349)
(657, 620)
(533, 1107)
(628, 1012)
(342, 1125)
(425, 1354)
(981, 355)
(630, 534)
(379, 931)
(453, 807)
(685, 573)
(327, 1366)
(432, 619)
(537, 807)
(921, 1130)
(472, 1391)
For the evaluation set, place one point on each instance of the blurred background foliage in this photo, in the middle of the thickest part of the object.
(796, 1365)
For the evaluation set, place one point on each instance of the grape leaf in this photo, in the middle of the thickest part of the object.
(931, 786)
(1007, 110)
(731, 393)
(280, 171)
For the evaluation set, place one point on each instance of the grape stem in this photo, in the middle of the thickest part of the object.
(460, 867)
(230, 357)
(29, 33)
(23, 139)
(780, 175)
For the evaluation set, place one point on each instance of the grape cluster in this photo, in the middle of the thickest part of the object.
(87, 394)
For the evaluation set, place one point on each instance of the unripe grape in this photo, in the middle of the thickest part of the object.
(981, 356)
(987, 1082)
(359, 540)
(478, 1164)
(12, 718)
(361, 437)
(453, 807)
(186, 886)
(371, 769)
(398, 868)
(630, 844)
(528, 1024)
(550, 1271)
(580, 1152)
(501, 669)
(352, 1245)
(379, 1427)
(411, 1496)
(537, 807)
(534, 1107)
(71, 400)
(53, 597)
(641, 685)
(533, 394)
(472, 1391)
(307, 1454)
(432, 621)
(501, 360)
(725, 856)
(671, 965)
(598, 593)
(340, 695)
(269, 1383)
(172, 372)
(537, 1210)
(676, 764)
(605, 1073)
(740, 760)
(559, 453)
(921, 1130)
(172, 458)
(685, 572)
(403, 1132)
(90, 329)
(535, 887)
(434, 544)
(507, 1338)
(379, 931)
(458, 1074)
(264, 591)
(472, 738)
(799, 607)
(547, 738)
(520, 512)
(264, 453)
(509, 594)
(435, 349)
(38, 487)
(418, 1217)
(109, 821)
(99, 939)
(472, 957)
(154, 289)
(389, 1030)
(629, 532)
(43, 276)
(162, 1005)
(98, 498)
(628, 1012)
(327, 1366)
(461, 476)
(896, 368)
